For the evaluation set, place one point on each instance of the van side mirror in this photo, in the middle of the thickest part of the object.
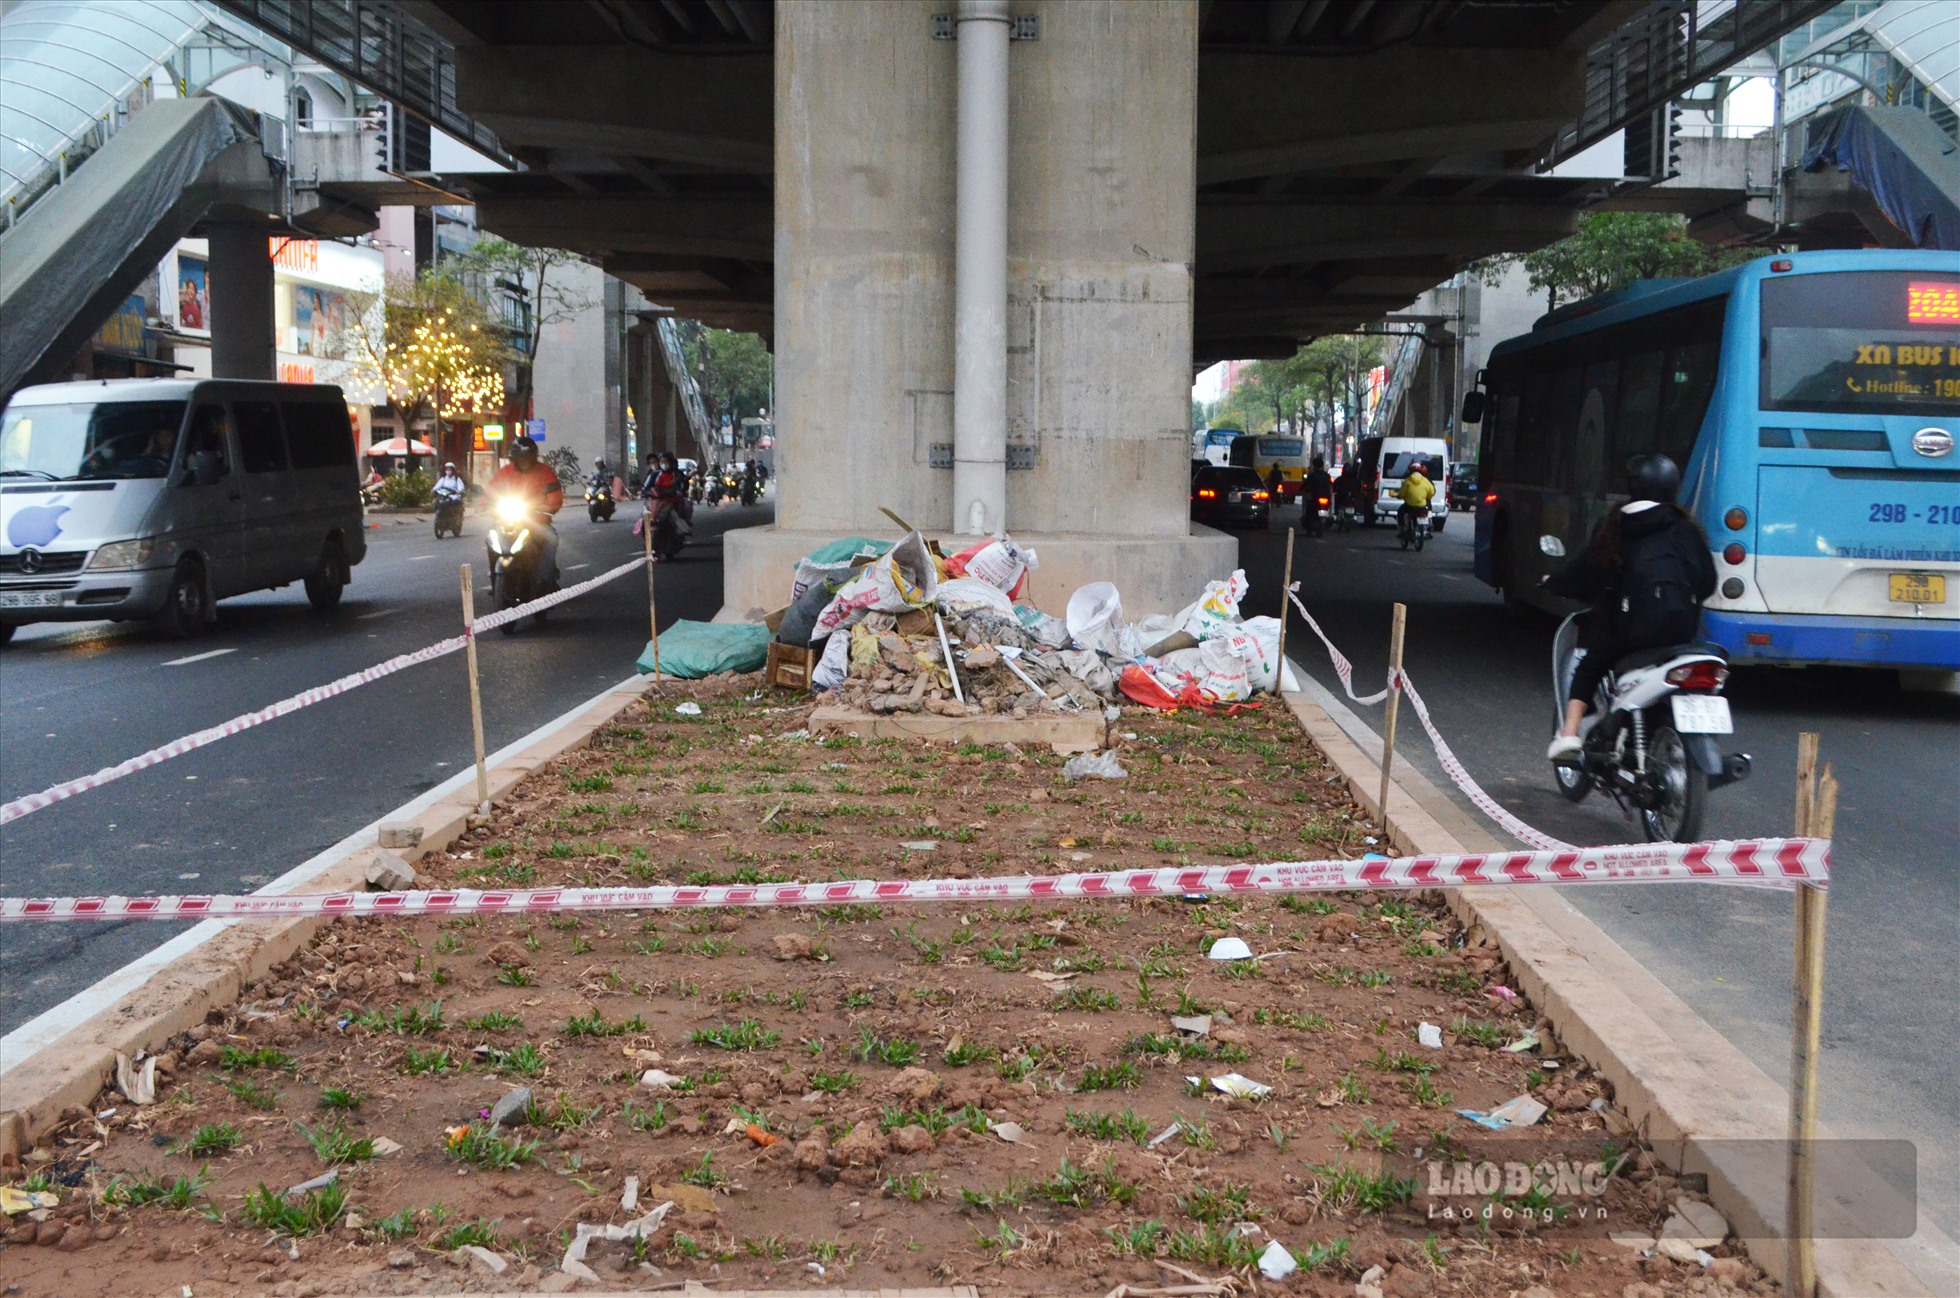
(1474, 402)
(207, 469)
(1552, 546)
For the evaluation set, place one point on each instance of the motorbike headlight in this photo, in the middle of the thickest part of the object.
(495, 540)
(511, 509)
(518, 544)
(123, 555)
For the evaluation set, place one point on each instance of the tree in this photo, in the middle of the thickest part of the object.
(429, 341)
(734, 370)
(539, 275)
(1612, 250)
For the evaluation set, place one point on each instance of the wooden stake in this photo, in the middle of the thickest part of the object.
(1816, 817)
(1394, 699)
(476, 693)
(653, 608)
(1285, 614)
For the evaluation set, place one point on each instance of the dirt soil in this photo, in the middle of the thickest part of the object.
(827, 1096)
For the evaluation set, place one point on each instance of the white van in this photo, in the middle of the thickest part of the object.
(155, 498)
(1383, 462)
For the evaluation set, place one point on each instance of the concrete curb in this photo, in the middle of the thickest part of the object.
(1680, 1081)
(67, 1063)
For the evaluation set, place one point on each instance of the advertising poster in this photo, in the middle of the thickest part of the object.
(319, 322)
(193, 295)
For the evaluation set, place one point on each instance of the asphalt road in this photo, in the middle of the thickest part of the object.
(1891, 988)
(77, 697)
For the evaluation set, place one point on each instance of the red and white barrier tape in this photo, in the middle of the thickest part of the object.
(1773, 862)
(33, 802)
(1471, 789)
(1342, 667)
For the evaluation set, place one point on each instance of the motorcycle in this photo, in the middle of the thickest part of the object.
(449, 513)
(1413, 528)
(670, 529)
(1313, 517)
(751, 490)
(599, 502)
(1650, 742)
(516, 556)
(716, 489)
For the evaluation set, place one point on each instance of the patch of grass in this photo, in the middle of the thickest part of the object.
(1138, 1239)
(653, 1119)
(1346, 1188)
(1424, 1092)
(413, 1020)
(1005, 1239)
(417, 1062)
(1298, 1020)
(564, 1114)
(233, 1059)
(898, 1052)
(704, 1175)
(745, 1035)
(514, 975)
(589, 784)
(934, 1120)
(914, 1186)
(306, 1214)
(1110, 1126)
(1400, 1062)
(522, 1060)
(396, 1226)
(1089, 1000)
(1224, 1249)
(1011, 1195)
(336, 1145)
(964, 1053)
(482, 1233)
(493, 1021)
(1121, 1076)
(134, 1192)
(1197, 1134)
(832, 1083)
(487, 1148)
(256, 1095)
(1483, 1032)
(1221, 1207)
(1374, 1135)
(593, 1024)
(337, 1097)
(1462, 982)
(211, 1139)
(1308, 905)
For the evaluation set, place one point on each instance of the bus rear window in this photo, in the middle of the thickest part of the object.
(1862, 342)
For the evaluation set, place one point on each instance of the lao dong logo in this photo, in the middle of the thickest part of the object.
(1548, 1191)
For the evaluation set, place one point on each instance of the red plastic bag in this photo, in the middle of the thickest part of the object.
(1140, 686)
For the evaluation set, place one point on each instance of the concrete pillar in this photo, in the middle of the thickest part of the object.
(242, 342)
(1102, 180)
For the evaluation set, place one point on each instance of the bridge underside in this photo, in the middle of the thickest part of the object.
(1349, 156)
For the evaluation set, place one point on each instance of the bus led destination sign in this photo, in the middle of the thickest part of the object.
(1932, 302)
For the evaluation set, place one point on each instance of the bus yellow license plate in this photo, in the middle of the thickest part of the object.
(1918, 588)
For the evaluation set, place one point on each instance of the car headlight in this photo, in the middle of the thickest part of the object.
(123, 555)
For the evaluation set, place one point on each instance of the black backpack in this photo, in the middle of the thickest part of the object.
(1657, 604)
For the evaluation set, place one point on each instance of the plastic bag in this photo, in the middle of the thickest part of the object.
(966, 594)
(799, 622)
(1142, 687)
(1223, 673)
(905, 577)
(1177, 669)
(1103, 766)
(1044, 627)
(834, 666)
(835, 562)
(998, 562)
(1257, 641)
(1218, 606)
(1095, 621)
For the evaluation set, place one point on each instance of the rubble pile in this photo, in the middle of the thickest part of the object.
(904, 628)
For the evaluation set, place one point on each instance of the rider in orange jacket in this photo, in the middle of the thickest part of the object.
(532, 480)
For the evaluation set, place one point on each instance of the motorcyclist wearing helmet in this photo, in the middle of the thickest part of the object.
(1645, 572)
(450, 483)
(1317, 487)
(535, 482)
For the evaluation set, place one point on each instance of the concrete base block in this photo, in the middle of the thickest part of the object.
(1156, 574)
(1080, 732)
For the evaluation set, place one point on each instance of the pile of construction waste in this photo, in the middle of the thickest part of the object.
(902, 627)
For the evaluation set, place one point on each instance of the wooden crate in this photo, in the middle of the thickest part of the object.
(789, 668)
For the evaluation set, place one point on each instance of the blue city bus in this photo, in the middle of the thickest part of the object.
(1812, 401)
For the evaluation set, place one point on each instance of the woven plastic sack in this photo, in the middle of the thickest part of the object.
(998, 562)
(1218, 606)
(691, 650)
(905, 577)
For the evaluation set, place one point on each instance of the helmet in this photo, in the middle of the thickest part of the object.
(599, 466)
(524, 451)
(1653, 477)
(448, 465)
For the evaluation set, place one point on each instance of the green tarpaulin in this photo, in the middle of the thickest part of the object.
(691, 650)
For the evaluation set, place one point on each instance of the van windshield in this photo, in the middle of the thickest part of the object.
(123, 439)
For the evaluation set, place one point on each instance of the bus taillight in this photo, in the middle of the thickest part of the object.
(1736, 519)
(1733, 553)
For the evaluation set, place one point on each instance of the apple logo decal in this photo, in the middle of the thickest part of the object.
(35, 525)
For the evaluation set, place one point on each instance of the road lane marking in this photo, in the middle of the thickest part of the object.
(574, 567)
(198, 658)
(377, 613)
(414, 557)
